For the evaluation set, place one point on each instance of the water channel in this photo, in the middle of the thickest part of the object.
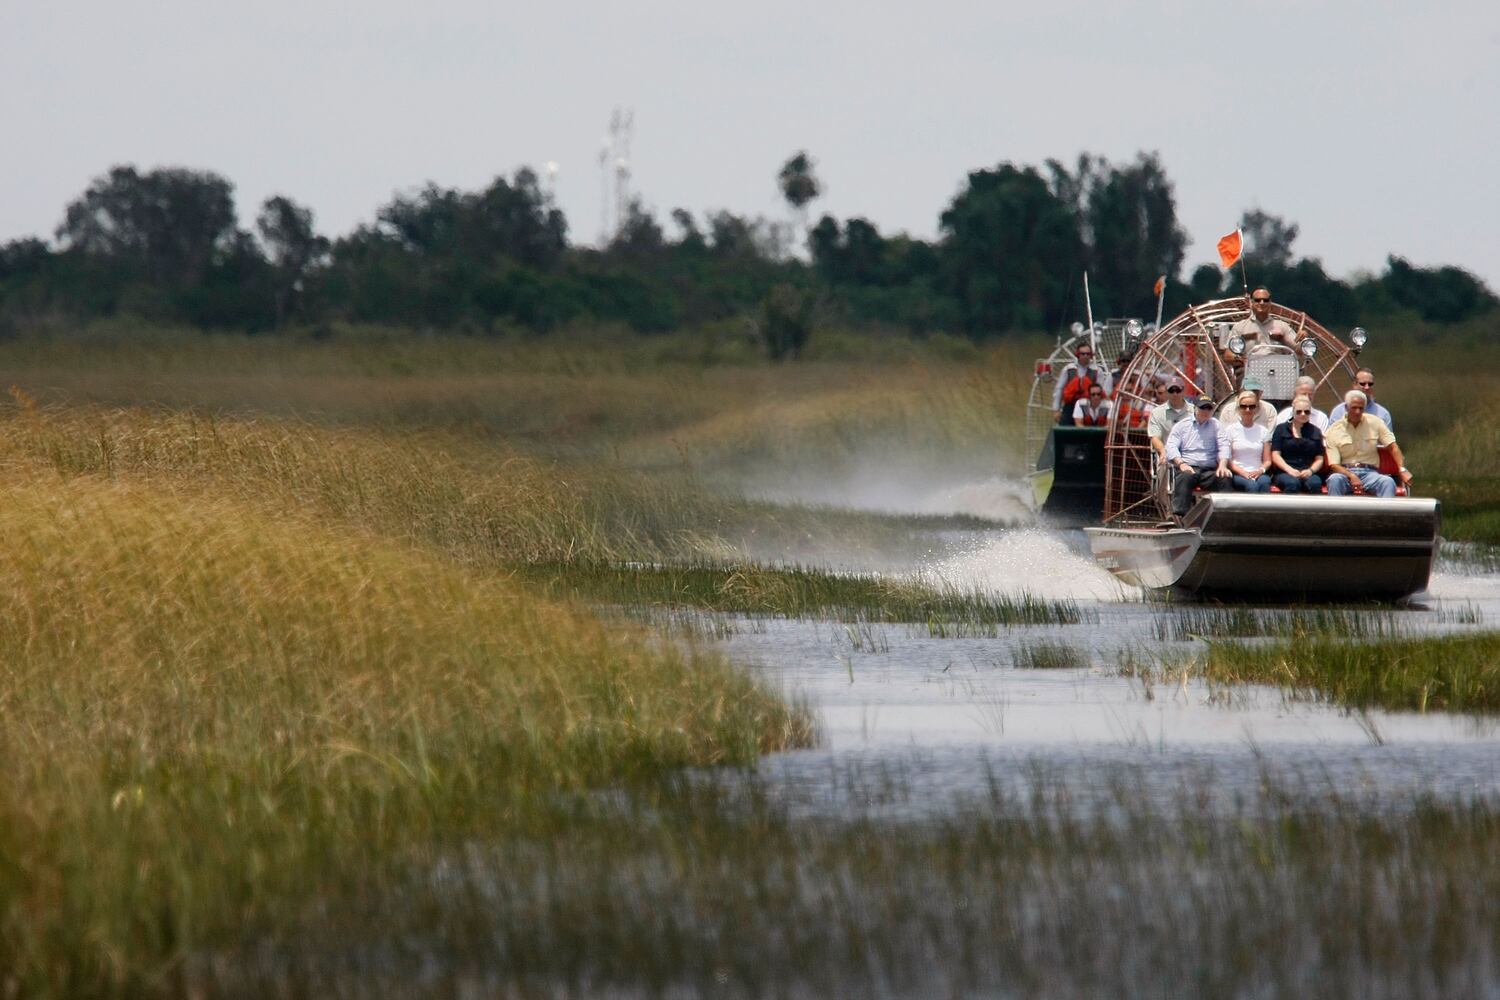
(913, 721)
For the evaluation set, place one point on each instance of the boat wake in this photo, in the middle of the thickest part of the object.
(1032, 561)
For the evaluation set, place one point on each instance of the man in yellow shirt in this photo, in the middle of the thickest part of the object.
(1353, 445)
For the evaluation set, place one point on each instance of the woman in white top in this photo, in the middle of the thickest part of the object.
(1245, 447)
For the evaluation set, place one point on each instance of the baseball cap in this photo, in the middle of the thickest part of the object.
(1202, 401)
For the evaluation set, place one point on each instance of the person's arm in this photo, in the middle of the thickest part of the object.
(1265, 457)
(1172, 451)
(1336, 465)
(1317, 462)
(1404, 474)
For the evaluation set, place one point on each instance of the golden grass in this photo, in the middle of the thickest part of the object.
(210, 714)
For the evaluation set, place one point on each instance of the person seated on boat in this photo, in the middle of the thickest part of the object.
(1073, 383)
(1260, 329)
(1265, 413)
(1093, 410)
(1306, 386)
(1364, 381)
(1353, 444)
(1165, 416)
(1245, 446)
(1297, 450)
(1193, 450)
(1117, 373)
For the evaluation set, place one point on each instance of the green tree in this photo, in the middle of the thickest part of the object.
(1437, 294)
(1009, 247)
(169, 225)
(1133, 235)
(1268, 238)
(293, 248)
(799, 184)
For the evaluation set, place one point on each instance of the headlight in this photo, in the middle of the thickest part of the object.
(1357, 337)
(1133, 329)
(1237, 344)
(1077, 329)
(1308, 346)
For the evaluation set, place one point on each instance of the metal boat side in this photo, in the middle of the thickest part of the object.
(1345, 548)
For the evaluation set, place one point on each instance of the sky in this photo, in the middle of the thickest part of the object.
(1371, 125)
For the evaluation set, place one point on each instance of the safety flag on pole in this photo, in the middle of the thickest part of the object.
(1230, 248)
(1160, 286)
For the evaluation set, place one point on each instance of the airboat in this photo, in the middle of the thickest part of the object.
(1278, 546)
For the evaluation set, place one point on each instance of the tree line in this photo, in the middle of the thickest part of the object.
(1010, 254)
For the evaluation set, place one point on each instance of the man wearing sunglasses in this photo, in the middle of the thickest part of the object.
(1364, 382)
(1075, 381)
(1260, 329)
(1165, 415)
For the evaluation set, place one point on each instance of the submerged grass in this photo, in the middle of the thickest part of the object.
(1183, 624)
(796, 593)
(715, 891)
(214, 718)
(1447, 673)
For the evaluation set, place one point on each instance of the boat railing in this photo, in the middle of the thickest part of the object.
(1191, 350)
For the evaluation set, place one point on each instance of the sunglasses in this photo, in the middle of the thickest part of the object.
(1096, 395)
(1302, 413)
(1249, 406)
(1367, 385)
(1174, 388)
(1260, 301)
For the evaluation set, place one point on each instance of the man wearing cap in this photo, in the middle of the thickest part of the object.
(1354, 444)
(1193, 450)
(1260, 329)
(1165, 416)
(1265, 414)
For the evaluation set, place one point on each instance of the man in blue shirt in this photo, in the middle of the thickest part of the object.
(1364, 381)
(1193, 450)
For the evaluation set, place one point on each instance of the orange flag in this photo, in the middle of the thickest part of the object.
(1160, 286)
(1230, 247)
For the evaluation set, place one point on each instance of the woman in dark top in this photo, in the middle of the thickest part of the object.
(1297, 451)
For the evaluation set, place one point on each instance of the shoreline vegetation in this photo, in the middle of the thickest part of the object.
(304, 680)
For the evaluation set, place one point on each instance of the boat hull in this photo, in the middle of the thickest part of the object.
(1281, 547)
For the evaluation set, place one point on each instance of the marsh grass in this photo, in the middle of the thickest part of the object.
(212, 717)
(1052, 655)
(710, 890)
(1444, 673)
(1186, 623)
(797, 592)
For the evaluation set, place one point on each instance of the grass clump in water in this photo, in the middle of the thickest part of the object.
(214, 720)
(795, 592)
(1448, 673)
(1183, 624)
(1049, 655)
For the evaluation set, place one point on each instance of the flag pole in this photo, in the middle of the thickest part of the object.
(1244, 280)
(1161, 297)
